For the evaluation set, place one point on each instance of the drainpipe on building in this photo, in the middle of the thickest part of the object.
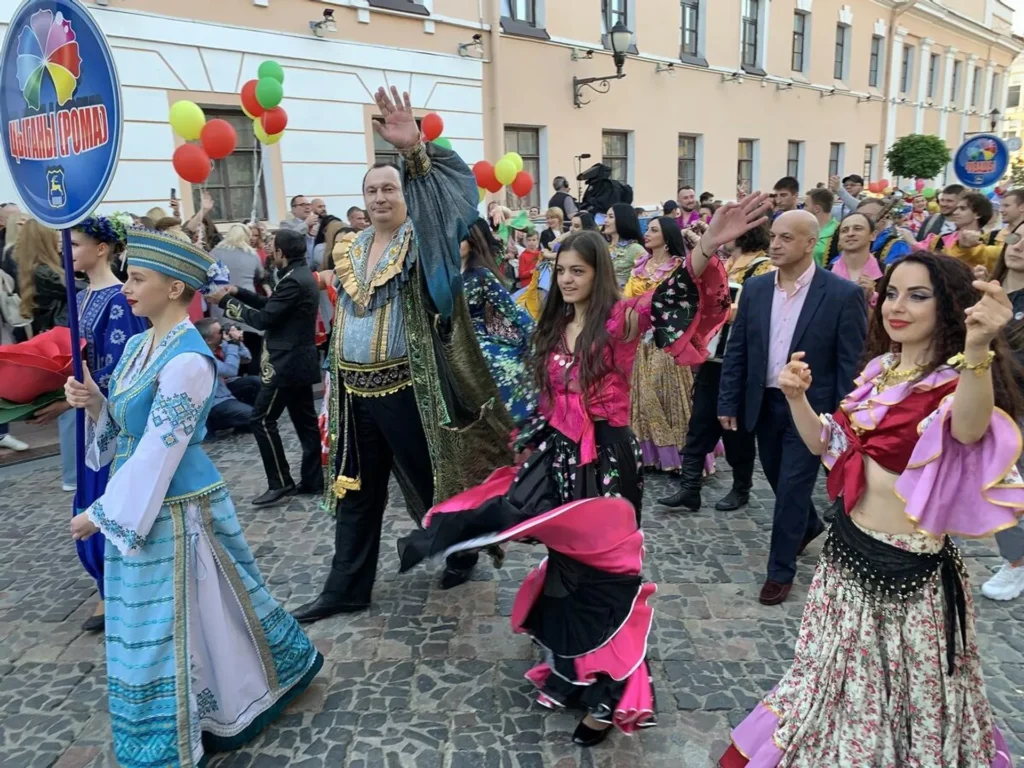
(490, 13)
(898, 10)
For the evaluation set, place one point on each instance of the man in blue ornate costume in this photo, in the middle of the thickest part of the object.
(409, 389)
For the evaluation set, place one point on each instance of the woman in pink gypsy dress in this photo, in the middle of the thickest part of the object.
(580, 490)
(887, 670)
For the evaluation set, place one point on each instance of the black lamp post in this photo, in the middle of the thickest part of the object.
(621, 37)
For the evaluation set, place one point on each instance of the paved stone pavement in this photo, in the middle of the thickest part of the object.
(431, 679)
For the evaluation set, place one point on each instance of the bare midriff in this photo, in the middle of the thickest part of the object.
(879, 508)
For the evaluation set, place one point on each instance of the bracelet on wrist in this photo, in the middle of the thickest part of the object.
(959, 362)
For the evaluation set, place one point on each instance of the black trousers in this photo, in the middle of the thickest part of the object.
(254, 343)
(791, 470)
(388, 436)
(706, 430)
(270, 404)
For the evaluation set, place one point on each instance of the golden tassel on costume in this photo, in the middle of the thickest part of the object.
(343, 485)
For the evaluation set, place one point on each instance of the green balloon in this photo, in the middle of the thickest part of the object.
(928, 193)
(272, 70)
(441, 141)
(269, 92)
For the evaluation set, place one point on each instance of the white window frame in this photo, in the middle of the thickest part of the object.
(761, 51)
(698, 159)
(907, 70)
(870, 156)
(807, 42)
(844, 65)
(755, 162)
(880, 70)
(841, 159)
(801, 153)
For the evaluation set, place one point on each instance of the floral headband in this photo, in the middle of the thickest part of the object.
(104, 230)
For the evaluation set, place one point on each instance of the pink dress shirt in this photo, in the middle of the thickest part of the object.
(871, 269)
(785, 313)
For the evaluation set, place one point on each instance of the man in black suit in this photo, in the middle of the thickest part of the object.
(799, 307)
(289, 367)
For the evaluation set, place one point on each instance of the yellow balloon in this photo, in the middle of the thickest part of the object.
(246, 113)
(187, 119)
(482, 192)
(516, 159)
(505, 171)
(262, 136)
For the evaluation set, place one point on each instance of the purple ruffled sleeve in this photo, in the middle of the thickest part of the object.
(968, 490)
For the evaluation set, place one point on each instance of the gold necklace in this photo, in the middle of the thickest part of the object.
(890, 377)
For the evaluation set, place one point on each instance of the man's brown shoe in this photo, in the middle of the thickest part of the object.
(773, 593)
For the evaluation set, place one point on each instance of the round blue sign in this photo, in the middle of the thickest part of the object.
(981, 161)
(60, 109)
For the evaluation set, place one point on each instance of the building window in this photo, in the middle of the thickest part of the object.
(524, 11)
(875, 65)
(382, 151)
(615, 153)
(799, 40)
(907, 69)
(406, 6)
(687, 162)
(839, 66)
(745, 164)
(869, 162)
(793, 157)
(614, 11)
(1013, 96)
(835, 159)
(933, 75)
(525, 141)
(976, 87)
(954, 91)
(232, 181)
(691, 28)
(749, 42)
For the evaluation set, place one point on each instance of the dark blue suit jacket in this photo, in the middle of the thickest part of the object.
(831, 331)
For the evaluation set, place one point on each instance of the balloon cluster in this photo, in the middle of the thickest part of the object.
(217, 139)
(878, 187)
(261, 100)
(506, 172)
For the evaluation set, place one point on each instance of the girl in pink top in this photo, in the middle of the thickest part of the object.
(579, 486)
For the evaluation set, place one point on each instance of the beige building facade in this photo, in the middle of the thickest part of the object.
(714, 92)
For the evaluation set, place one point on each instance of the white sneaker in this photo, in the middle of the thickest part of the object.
(12, 443)
(1007, 584)
(68, 488)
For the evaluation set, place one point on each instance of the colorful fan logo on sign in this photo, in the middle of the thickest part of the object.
(47, 46)
(981, 160)
(60, 110)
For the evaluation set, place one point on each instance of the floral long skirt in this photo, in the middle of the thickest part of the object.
(870, 684)
(660, 409)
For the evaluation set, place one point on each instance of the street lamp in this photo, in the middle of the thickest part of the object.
(620, 37)
(993, 117)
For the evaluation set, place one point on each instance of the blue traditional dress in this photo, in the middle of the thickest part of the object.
(503, 329)
(106, 322)
(200, 657)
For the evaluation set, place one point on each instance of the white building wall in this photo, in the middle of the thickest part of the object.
(328, 89)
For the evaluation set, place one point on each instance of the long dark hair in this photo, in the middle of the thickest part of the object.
(593, 339)
(627, 225)
(1015, 330)
(755, 240)
(673, 234)
(586, 221)
(951, 285)
(483, 247)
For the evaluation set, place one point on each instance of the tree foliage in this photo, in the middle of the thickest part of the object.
(1017, 174)
(918, 156)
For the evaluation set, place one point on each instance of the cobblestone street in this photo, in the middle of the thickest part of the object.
(432, 679)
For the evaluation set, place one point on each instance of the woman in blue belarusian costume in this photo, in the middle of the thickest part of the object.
(502, 327)
(200, 657)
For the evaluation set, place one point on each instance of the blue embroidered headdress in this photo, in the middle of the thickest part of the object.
(176, 258)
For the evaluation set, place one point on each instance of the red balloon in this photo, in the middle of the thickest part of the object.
(884, 184)
(274, 121)
(192, 163)
(484, 173)
(218, 138)
(249, 100)
(494, 186)
(432, 126)
(522, 184)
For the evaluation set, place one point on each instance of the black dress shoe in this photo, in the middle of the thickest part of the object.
(272, 496)
(95, 623)
(682, 499)
(451, 577)
(733, 500)
(324, 607)
(585, 736)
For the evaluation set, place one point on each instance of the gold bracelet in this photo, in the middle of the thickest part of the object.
(960, 363)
